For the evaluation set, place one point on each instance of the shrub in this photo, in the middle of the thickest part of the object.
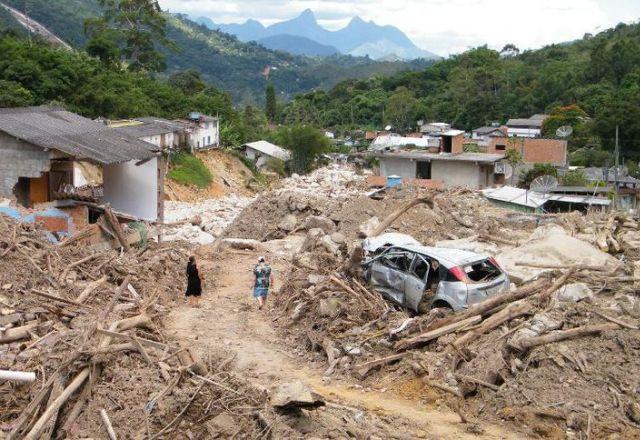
(537, 171)
(187, 169)
(276, 165)
(574, 178)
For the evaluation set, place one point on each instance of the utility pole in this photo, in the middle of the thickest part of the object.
(617, 165)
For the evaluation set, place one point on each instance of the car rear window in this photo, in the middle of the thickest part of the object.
(482, 271)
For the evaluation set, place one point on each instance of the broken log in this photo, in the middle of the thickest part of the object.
(362, 370)
(561, 335)
(52, 409)
(492, 303)
(556, 285)
(89, 289)
(18, 333)
(107, 425)
(17, 376)
(435, 334)
(620, 322)
(117, 228)
(510, 312)
(478, 381)
(442, 387)
(397, 213)
(57, 298)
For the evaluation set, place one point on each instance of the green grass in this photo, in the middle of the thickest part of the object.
(189, 170)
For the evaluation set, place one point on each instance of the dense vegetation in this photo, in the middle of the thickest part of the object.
(593, 84)
(241, 69)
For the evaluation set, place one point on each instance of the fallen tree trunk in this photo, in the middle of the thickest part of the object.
(397, 213)
(107, 425)
(18, 333)
(435, 334)
(556, 285)
(578, 332)
(491, 304)
(89, 289)
(512, 311)
(117, 228)
(362, 370)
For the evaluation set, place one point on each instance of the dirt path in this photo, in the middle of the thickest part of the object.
(228, 320)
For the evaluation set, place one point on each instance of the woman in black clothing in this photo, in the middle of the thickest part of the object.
(194, 283)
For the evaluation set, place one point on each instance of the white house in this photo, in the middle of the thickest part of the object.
(527, 128)
(261, 151)
(395, 142)
(202, 131)
(157, 131)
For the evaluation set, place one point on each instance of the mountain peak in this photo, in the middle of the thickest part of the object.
(307, 15)
(357, 20)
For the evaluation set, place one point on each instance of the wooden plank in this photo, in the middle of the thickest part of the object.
(434, 334)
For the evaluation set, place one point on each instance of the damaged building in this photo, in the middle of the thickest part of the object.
(41, 149)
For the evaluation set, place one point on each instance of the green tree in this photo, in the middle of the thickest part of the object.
(189, 81)
(306, 145)
(136, 27)
(574, 178)
(537, 171)
(13, 94)
(271, 107)
(514, 159)
(401, 109)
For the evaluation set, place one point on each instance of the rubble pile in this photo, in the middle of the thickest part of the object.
(81, 346)
(331, 181)
(202, 222)
(557, 355)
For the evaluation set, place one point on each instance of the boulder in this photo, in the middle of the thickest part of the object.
(288, 223)
(339, 238)
(366, 228)
(223, 425)
(319, 222)
(329, 245)
(311, 241)
(316, 279)
(329, 307)
(295, 395)
(574, 292)
(240, 244)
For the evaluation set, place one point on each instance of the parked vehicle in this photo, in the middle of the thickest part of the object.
(420, 278)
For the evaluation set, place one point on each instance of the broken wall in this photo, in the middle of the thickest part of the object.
(394, 166)
(456, 174)
(133, 189)
(19, 159)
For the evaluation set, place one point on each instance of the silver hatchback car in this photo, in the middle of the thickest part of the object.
(420, 277)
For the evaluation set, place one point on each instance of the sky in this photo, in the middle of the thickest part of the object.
(444, 27)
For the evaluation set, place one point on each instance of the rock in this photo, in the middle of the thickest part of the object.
(338, 238)
(295, 395)
(330, 245)
(366, 228)
(312, 239)
(316, 279)
(222, 424)
(289, 223)
(574, 292)
(299, 312)
(240, 244)
(314, 221)
(329, 307)
(307, 260)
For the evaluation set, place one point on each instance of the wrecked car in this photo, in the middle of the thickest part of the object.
(419, 278)
(377, 245)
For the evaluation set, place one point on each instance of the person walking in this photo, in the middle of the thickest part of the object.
(194, 283)
(263, 281)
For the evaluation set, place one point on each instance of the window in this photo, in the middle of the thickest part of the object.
(398, 260)
(500, 147)
(198, 144)
(208, 140)
(204, 141)
(420, 268)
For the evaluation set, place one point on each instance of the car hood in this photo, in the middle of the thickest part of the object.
(372, 244)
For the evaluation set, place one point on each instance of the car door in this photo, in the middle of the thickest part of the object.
(389, 272)
(416, 282)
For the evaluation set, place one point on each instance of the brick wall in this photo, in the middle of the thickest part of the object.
(548, 151)
(19, 159)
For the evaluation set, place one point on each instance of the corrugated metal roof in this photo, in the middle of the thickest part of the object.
(58, 129)
(269, 149)
(517, 196)
(528, 123)
(461, 157)
(382, 142)
(487, 130)
(145, 127)
(582, 200)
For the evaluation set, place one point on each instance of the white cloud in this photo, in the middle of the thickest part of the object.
(441, 26)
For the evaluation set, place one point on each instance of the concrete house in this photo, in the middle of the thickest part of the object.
(162, 133)
(470, 170)
(484, 134)
(202, 131)
(261, 151)
(450, 138)
(40, 145)
(526, 128)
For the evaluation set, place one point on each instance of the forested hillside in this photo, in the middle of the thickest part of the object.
(600, 74)
(223, 61)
